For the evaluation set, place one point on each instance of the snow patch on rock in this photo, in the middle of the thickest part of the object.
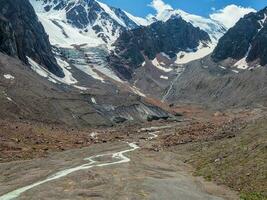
(9, 77)
(164, 77)
(68, 79)
(156, 63)
(242, 63)
(138, 20)
(201, 51)
(63, 34)
(261, 22)
(90, 71)
(235, 71)
(137, 91)
(93, 100)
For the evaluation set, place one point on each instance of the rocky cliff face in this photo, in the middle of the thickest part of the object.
(247, 39)
(24, 35)
(7, 38)
(259, 45)
(168, 37)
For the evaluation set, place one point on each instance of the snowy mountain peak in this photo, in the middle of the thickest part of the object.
(93, 22)
(83, 21)
(212, 27)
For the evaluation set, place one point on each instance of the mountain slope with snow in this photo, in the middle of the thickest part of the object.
(82, 32)
(78, 22)
(244, 45)
(22, 35)
(212, 27)
(170, 37)
(215, 30)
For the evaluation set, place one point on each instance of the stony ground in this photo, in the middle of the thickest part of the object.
(209, 141)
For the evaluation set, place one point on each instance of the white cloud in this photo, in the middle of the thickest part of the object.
(160, 6)
(163, 11)
(229, 15)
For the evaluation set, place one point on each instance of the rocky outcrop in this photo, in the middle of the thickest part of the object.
(169, 37)
(259, 47)
(84, 18)
(24, 35)
(130, 24)
(7, 38)
(92, 13)
(248, 38)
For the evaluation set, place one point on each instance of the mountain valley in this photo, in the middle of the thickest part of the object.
(97, 103)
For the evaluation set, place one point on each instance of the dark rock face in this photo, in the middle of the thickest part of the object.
(87, 12)
(119, 120)
(248, 36)
(259, 47)
(29, 37)
(7, 38)
(81, 17)
(82, 20)
(170, 37)
(128, 22)
(151, 118)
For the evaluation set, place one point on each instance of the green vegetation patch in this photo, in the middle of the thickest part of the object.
(239, 162)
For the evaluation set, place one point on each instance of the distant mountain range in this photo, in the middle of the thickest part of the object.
(95, 20)
(117, 62)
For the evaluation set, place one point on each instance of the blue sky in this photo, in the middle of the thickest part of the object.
(199, 7)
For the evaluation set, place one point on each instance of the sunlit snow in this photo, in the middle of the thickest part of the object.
(160, 67)
(201, 51)
(9, 77)
(164, 77)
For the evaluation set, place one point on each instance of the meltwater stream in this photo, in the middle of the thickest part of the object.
(119, 156)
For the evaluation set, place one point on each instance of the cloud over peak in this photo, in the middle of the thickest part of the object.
(229, 15)
(160, 5)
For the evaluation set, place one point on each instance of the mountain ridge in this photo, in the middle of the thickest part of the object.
(214, 28)
(245, 42)
(28, 37)
(170, 37)
(86, 18)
